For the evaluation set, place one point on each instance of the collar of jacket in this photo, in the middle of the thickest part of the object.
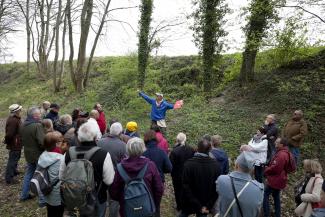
(151, 144)
(198, 154)
(241, 175)
(30, 120)
(88, 144)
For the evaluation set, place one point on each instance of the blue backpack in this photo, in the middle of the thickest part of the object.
(138, 201)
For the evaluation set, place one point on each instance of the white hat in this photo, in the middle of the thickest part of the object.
(160, 94)
(14, 108)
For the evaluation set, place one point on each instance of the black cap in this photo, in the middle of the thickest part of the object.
(54, 105)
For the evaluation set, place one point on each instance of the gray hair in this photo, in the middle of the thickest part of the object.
(216, 140)
(66, 119)
(181, 138)
(116, 129)
(135, 147)
(33, 110)
(94, 114)
(87, 132)
(300, 112)
(272, 116)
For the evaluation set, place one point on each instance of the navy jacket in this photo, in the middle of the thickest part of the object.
(159, 157)
(222, 157)
(53, 116)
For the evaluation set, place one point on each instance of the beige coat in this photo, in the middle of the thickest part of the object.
(313, 190)
(295, 131)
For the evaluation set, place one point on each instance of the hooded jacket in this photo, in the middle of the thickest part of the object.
(157, 112)
(52, 161)
(276, 174)
(159, 157)
(222, 157)
(32, 136)
(133, 166)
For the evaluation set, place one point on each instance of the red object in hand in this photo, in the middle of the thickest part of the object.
(178, 104)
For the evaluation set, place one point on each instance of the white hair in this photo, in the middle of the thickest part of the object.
(116, 129)
(33, 110)
(87, 132)
(181, 138)
(135, 147)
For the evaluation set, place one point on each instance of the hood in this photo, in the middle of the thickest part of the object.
(48, 158)
(219, 154)
(151, 144)
(134, 164)
(63, 128)
(30, 120)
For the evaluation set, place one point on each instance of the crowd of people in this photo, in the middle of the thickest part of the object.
(91, 166)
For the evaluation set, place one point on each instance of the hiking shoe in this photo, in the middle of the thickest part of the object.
(28, 198)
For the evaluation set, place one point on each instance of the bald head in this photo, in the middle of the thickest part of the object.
(298, 115)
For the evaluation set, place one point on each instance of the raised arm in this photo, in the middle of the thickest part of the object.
(147, 98)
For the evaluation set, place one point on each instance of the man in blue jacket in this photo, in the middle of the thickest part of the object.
(158, 109)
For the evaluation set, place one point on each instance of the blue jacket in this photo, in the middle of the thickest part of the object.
(222, 157)
(157, 112)
(53, 116)
(319, 212)
(159, 157)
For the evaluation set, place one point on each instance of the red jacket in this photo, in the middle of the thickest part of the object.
(102, 122)
(276, 174)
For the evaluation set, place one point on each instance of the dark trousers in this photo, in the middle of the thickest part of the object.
(277, 202)
(177, 183)
(12, 164)
(197, 215)
(259, 170)
(54, 211)
(163, 130)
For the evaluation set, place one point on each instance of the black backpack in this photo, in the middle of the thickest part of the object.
(40, 183)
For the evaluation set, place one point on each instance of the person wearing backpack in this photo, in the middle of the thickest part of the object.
(310, 197)
(137, 171)
(249, 192)
(276, 174)
(50, 160)
(89, 164)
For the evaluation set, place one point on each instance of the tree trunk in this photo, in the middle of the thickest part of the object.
(28, 35)
(86, 16)
(61, 73)
(57, 47)
(95, 43)
(258, 22)
(71, 65)
(143, 47)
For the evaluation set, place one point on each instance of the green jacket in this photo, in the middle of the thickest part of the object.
(32, 136)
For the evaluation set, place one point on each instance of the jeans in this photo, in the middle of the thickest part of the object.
(296, 153)
(101, 209)
(113, 208)
(183, 214)
(30, 170)
(12, 164)
(277, 202)
(259, 170)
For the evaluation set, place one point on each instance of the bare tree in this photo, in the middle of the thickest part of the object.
(8, 23)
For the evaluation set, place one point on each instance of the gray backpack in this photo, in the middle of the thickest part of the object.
(78, 185)
(138, 201)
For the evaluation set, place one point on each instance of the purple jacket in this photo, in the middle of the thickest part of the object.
(133, 166)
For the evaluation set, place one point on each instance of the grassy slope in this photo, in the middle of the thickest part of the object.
(235, 116)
